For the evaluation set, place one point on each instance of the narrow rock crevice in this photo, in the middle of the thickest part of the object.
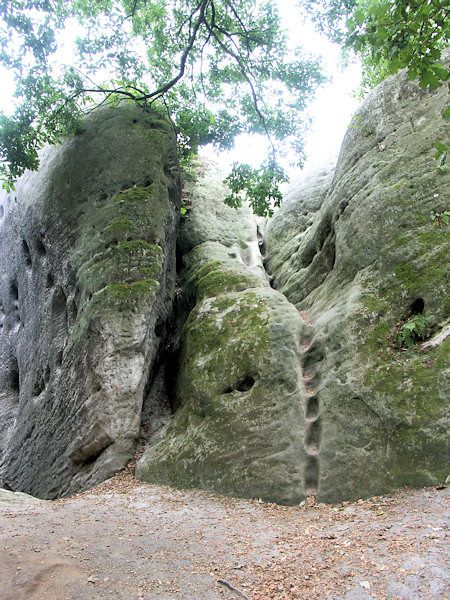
(313, 355)
(312, 359)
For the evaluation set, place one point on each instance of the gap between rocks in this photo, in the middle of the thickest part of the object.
(159, 394)
(311, 358)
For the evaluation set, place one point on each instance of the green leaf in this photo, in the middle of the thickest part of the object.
(440, 146)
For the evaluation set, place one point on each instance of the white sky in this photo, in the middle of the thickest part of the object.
(331, 110)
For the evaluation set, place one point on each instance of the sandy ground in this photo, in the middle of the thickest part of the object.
(133, 541)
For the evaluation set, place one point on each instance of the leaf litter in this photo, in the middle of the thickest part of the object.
(129, 540)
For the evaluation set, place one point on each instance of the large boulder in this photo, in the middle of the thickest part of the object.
(239, 421)
(372, 256)
(87, 256)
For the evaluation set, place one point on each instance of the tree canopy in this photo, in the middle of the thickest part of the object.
(216, 67)
(389, 35)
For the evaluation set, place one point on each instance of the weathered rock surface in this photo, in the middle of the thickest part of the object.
(239, 421)
(276, 393)
(358, 266)
(87, 256)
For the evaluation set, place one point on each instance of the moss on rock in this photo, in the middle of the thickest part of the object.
(239, 419)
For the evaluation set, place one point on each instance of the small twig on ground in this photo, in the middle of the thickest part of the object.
(232, 588)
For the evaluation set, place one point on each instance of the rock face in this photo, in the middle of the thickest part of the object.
(87, 256)
(239, 421)
(359, 258)
(305, 389)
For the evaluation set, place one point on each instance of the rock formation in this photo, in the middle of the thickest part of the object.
(87, 251)
(239, 422)
(359, 261)
(325, 403)
(287, 376)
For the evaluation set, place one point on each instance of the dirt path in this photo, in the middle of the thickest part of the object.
(133, 541)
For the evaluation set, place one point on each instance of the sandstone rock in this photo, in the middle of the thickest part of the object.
(8, 497)
(88, 267)
(301, 202)
(371, 258)
(239, 419)
(210, 220)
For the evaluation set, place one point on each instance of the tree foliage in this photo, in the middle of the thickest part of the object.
(217, 67)
(389, 35)
(261, 187)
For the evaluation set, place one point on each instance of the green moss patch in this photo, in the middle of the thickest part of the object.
(401, 241)
(120, 224)
(122, 291)
(138, 195)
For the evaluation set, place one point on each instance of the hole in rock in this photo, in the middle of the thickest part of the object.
(14, 378)
(135, 120)
(77, 297)
(14, 291)
(59, 318)
(313, 435)
(312, 408)
(50, 281)
(311, 359)
(2, 315)
(328, 254)
(2, 211)
(42, 250)
(59, 358)
(103, 197)
(243, 385)
(148, 182)
(417, 306)
(92, 452)
(39, 387)
(93, 457)
(311, 475)
(307, 337)
(27, 253)
(312, 380)
(59, 302)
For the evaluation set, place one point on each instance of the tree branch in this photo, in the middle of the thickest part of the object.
(252, 87)
(166, 87)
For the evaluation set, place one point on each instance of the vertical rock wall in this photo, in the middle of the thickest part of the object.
(87, 256)
(358, 267)
(239, 422)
